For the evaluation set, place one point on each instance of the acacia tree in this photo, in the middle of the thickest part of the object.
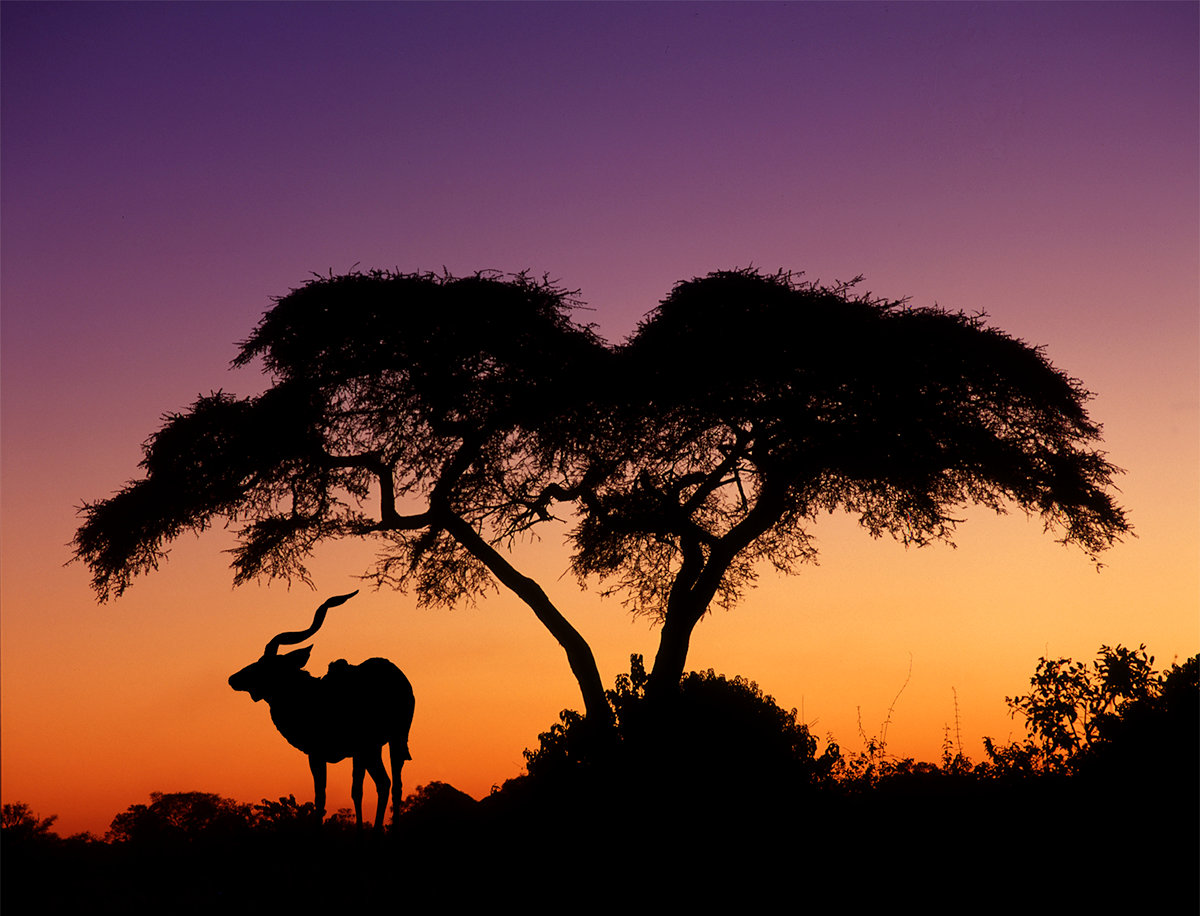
(444, 417)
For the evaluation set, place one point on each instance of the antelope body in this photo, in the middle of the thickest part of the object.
(350, 712)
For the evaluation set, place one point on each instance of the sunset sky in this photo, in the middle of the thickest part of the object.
(167, 169)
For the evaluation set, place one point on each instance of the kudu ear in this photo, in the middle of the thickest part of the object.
(298, 658)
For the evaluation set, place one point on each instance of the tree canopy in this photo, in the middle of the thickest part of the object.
(443, 417)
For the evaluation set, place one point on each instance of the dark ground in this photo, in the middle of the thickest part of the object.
(938, 843)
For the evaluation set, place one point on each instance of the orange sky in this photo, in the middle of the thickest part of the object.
(1038, 163)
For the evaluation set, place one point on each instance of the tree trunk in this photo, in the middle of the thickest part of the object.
(695, 589)
(672, 653)
(579, 653)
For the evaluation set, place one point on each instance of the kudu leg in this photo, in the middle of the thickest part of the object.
(356, 789)
(317, 766)
(398, 755)
(379, 776)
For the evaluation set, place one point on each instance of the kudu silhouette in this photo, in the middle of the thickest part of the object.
(350, 712)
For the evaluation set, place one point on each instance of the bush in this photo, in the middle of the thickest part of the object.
(1155, 734)
(714, 730)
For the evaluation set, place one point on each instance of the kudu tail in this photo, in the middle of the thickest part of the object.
(398, 751)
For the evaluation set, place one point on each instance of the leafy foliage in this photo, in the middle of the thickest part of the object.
(408, 385)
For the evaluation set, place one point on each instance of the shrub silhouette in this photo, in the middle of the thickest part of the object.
(1153, 735)
(676, 747)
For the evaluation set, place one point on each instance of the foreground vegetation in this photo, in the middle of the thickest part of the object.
(716, 791)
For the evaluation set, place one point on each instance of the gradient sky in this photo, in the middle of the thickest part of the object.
(167, 169)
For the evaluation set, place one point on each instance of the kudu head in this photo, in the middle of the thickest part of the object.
(261, 679)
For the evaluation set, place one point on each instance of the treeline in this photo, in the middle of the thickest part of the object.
(719, 783)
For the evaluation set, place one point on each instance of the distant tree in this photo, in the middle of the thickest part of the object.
(175, 817)
(18, 823)
(471, 411)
